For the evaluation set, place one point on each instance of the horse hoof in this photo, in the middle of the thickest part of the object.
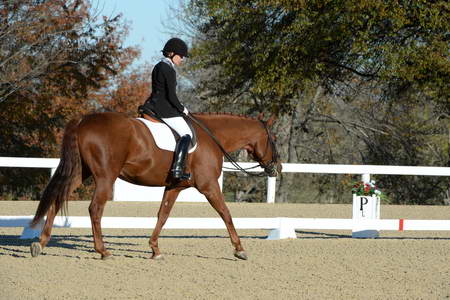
(241, 255)
(107, 257)
(157, 257)
(35, 249)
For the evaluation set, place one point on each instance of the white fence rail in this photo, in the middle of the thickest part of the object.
(280, 228)
(239, 223)
(124, 191)
(30, 162)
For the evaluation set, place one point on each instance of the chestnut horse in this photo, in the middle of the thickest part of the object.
(111, 145)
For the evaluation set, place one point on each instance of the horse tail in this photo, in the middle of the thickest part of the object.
(67, 175)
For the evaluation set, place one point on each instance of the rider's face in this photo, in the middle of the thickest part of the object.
(177, 59)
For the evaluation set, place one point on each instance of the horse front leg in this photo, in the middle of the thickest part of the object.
(169, 197)
(103, 192)
(216, 199)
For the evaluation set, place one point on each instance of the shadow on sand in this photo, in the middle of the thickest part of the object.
(12, 245)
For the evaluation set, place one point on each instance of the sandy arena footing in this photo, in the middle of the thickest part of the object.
(199, 264)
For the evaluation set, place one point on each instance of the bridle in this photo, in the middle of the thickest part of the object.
(270, 168)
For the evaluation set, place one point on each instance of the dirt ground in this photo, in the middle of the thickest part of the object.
(199, 264)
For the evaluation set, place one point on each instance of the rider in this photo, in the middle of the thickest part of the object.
(164, 102)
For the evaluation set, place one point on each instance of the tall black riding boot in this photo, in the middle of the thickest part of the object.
(179, 162)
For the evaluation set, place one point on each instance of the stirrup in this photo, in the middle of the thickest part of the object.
(180, 175)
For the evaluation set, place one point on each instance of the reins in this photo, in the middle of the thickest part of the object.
(226, 154)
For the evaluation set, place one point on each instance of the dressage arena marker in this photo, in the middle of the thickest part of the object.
(280, 228)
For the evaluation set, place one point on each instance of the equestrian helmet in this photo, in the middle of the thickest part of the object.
(176, 46)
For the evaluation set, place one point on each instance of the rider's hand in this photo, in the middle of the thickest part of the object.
(185, 111)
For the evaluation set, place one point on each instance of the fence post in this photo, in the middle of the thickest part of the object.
(365, 178)
(271, 187)
(285, 230)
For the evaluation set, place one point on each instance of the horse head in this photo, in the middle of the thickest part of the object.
(265, 151)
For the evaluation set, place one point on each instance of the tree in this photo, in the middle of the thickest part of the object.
(365, 60)
(127, 91)
(275, 48)
(54, 57)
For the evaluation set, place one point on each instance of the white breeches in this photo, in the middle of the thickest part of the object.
(179, 125)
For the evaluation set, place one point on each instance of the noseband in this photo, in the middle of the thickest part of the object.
(270, 168)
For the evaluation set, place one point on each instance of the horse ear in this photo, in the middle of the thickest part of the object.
(261, 116)
(271, 120)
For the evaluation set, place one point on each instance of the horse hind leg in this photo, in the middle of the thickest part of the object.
(103, 192)
(37, 247)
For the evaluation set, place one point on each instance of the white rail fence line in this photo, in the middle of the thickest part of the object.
(280, 227)
(124, 191)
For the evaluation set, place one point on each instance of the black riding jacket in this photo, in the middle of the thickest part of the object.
(163, 100)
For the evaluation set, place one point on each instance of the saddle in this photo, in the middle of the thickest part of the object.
(164, 136)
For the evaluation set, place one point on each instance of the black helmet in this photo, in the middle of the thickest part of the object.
(176, 46)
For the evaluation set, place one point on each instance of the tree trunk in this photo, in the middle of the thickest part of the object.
(286, 140)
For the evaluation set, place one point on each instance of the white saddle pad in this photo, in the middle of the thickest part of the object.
(162, 135)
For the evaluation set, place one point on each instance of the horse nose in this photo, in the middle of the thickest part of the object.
(279, 167)
(275, 170)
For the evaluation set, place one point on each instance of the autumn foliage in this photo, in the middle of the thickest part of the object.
(58, 60)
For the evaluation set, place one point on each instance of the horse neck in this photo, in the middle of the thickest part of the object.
(233, 132)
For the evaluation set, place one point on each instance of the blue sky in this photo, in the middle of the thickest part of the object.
(145, 18)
